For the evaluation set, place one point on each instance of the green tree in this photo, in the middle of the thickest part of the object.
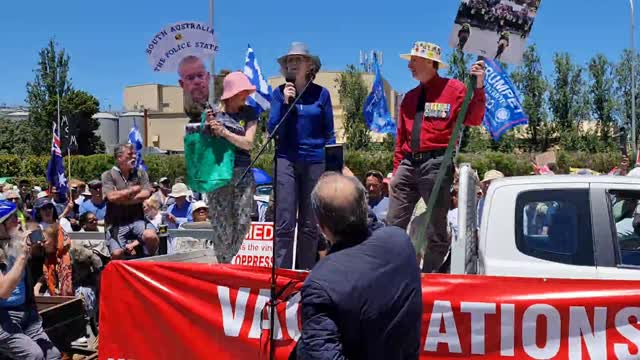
(459, 66)
(51, 81)
(15, 137)
(473, 139)
(601, 90)
(218, 82)
(79, 107)
(353, 94)
(567, 98)
(529, 80)
(622, 88)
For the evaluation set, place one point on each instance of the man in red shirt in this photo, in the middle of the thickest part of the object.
(428, 115)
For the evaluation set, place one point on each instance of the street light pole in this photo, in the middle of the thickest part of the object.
(212, 81)
(633, 81)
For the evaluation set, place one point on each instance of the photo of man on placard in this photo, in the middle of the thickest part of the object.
(194, 80)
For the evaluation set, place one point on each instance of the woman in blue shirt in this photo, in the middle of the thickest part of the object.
(21, 332)
(300, 151)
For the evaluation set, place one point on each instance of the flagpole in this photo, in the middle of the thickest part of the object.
(59, 131)
(212, 81)
(633, 80)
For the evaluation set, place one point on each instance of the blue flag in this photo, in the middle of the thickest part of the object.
(504, 109)
(376, 112)
(136, 140)
(55, 167)
(260, 100)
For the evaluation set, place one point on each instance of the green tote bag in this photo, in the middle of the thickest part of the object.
(209, 160)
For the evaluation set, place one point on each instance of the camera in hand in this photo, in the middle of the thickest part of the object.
(36, 236)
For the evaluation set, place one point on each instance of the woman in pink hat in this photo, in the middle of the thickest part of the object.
(230, 206)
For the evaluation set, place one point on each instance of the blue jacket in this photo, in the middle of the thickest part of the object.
(364, 301)
(307, 128)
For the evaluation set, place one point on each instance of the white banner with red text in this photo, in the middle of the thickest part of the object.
(256, 249)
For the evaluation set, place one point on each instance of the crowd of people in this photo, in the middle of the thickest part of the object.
(338, 219)
(495, 15)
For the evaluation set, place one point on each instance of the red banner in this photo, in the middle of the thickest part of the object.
(195, 311)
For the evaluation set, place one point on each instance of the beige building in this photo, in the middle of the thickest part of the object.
(165, 118)
(328, 80)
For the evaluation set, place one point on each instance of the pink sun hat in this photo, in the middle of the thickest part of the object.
(235, 83)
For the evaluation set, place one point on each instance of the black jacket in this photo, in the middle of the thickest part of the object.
(363, 301)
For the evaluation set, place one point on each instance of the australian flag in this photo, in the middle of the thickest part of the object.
(376, 112)
(136, 140)
(504, 108)
(55, 168)
(260, 100)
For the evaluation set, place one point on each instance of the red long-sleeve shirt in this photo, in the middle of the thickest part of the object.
(436, 132)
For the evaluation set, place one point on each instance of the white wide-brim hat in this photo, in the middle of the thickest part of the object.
(179, 190)
(428, 51)
(301, 49)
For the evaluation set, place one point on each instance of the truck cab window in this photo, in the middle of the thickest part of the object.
(555, 226)
(625, 213)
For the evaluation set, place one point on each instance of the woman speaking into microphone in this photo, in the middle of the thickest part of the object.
(302, 138)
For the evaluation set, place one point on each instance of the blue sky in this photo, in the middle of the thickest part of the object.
(106, 39)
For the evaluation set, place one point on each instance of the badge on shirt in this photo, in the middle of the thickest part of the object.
(437, 110)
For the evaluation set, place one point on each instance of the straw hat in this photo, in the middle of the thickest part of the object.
(492, 175)
(427, 51)
(301, 49)
(235, 83)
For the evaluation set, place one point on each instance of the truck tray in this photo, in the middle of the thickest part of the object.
(63, 319)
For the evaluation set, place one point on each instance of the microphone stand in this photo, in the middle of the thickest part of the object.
(273, 136)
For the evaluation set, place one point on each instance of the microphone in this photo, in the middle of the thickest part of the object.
(290, 78)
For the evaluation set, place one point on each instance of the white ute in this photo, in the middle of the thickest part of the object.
(580, 227)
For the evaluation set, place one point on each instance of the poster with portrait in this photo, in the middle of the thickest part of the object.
(185, 48)
(495, 29)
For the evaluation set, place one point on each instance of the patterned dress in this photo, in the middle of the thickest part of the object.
(230, 206)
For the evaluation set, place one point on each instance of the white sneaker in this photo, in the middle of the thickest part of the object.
(83, 341)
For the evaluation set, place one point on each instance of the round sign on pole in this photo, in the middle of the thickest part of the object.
(177, 41)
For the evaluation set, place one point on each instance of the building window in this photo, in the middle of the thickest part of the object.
(625, 213)
(555, 225)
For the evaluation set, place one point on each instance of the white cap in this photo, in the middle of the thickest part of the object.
(41, 194)
(198, 205)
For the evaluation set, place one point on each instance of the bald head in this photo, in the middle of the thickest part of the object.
(340, 206)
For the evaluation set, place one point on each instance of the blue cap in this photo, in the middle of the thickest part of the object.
(42, 202)
(7, 208)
